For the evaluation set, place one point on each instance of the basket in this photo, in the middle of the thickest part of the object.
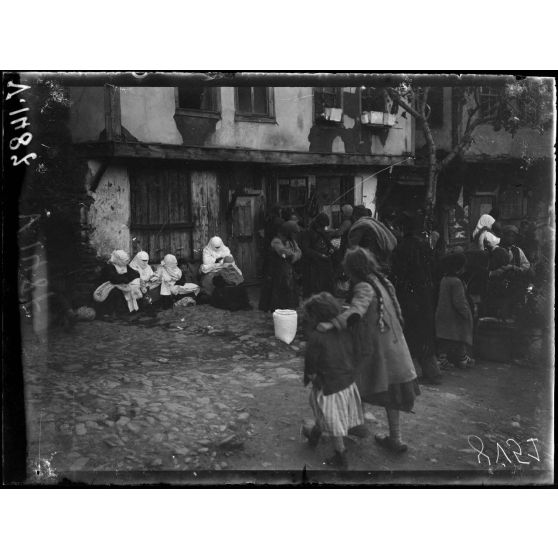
(285, 323)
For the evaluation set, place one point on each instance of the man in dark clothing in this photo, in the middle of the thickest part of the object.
(317, 275)
(510, 272)
(412, 270)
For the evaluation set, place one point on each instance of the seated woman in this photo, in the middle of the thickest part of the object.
(217, 260)
(168, 276)
(148, 279)
(119, 291)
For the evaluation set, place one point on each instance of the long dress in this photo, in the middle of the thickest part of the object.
(412, 268)
(317, 270)
(279, 289)
(385, 373)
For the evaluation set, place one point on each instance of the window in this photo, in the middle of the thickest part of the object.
(326, 97)
(436, 103)
(372, 99)
(197, 101)
(489, 99)
(254, 104)
(511, 203)
(293, 192)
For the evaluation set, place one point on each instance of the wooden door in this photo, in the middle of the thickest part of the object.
(244, 242)
(161, 211)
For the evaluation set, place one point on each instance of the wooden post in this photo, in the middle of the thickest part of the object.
(113, 119)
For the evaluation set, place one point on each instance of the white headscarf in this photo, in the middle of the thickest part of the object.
(214, 250)
(169, 273)
(485, 221)
(482, 233)
(119, 259)
(140, 263)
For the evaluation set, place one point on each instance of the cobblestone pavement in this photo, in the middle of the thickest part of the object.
(205, 389)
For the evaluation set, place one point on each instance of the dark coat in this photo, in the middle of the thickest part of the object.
(329, 358)
(109, 273)
(411, 273)
(317, 268)
(115, 303)
(454, 319)
(279, 289)
(383, 358)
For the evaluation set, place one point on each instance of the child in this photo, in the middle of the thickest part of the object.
(454, 317)
(385, 372)
(329, 365)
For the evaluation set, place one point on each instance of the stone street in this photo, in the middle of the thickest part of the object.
(205, 389)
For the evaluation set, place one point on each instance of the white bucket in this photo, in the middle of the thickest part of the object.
(285, 323)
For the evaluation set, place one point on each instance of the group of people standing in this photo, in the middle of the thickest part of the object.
(300, 260)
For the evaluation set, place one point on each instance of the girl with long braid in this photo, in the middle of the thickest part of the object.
(385, 373)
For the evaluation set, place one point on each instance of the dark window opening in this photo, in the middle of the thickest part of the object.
(373, 99)
(436, 103)
(511, 203)
(293, 192)
(489, 99)
(198, 98)
(254, 101)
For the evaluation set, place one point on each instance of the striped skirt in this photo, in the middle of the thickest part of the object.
(338, 412)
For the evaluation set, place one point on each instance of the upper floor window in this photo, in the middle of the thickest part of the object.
(372, 99)
(327, 97)
(489, 100)
(293, 192)
(198, 101)
(436, 103)
(254, 104)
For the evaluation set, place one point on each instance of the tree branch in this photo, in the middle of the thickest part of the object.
(465, 140)
(402, 103)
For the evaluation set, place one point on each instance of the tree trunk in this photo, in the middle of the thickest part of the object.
(433, 171)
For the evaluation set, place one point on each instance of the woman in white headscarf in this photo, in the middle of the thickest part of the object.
(483, 237)
(168, 276)
(217, 260)
(140, 263)
(119, 290)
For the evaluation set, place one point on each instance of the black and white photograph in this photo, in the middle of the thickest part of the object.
(280, 278)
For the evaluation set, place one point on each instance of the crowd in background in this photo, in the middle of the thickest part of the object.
(383, 303)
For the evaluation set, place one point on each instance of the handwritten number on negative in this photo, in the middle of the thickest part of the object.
(479, 451)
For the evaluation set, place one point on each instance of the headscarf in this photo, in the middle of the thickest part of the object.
(321, 220)
(359, 211)
(289, 229)
(453, 262)
(169, 273)
(119, 259)
(482, 231)
(485, 222)
(362, 265)
(140, 263)
(510, 229)
(347, 210)
(170, 265)
(214, 250)
(384, 238)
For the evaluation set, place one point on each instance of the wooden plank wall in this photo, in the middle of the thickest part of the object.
(206, 209)
(161, 212)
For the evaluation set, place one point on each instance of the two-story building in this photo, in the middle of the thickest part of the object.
(169, 167)
(512, 172)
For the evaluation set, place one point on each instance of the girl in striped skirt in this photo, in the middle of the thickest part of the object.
(329, 365)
